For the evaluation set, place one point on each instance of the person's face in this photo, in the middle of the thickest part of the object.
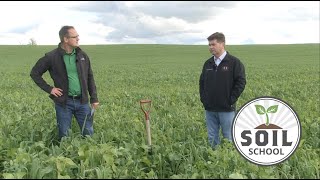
(72, 38)
(216, 48)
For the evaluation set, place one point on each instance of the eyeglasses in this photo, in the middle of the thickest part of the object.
(73, 36)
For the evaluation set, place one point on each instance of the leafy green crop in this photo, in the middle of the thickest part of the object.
(169, 76)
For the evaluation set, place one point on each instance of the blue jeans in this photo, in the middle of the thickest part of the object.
(215, 120)
(81, 113)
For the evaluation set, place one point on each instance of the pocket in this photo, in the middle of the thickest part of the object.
(231, 99)
(227, 103)
(59, 100)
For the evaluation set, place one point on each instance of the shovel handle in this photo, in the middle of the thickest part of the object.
(148, 132)
(146, 107)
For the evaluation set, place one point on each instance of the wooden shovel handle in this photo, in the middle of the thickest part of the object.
(146, 111)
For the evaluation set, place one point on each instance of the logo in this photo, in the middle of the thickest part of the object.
(225, 68)
(266, 131)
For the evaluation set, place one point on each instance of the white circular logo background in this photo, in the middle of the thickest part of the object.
(266, 131)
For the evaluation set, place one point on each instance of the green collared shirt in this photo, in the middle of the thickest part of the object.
(73, 77)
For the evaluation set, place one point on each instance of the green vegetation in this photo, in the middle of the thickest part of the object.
(168, 75)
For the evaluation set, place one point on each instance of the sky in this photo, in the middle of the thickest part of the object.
(160, 22)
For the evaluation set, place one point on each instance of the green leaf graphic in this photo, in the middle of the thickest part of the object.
(260, 109)
(272, 109)
(267, 120)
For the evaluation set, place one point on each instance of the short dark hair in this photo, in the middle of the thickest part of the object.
(64, 31)
(218, 36)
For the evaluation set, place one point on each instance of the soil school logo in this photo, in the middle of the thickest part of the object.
(266, 131)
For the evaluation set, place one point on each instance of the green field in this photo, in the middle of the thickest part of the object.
(168, 75)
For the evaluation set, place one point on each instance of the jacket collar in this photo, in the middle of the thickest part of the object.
(226, 58)
(62, 51)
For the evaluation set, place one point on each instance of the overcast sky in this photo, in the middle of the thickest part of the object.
(161, 22)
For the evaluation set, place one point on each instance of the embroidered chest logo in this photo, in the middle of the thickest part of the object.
(225, 68)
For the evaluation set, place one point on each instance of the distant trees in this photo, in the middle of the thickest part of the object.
(32, 41)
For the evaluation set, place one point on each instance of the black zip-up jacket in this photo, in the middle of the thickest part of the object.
(221, 86)
(54, 63)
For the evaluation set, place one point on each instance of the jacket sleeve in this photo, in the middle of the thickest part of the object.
(42, 65)
(92, 86)
(239, 82)
(201, 86)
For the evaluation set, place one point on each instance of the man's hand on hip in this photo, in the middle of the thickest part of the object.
(57, 92)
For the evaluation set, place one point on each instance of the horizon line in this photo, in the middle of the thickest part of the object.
(152, 44)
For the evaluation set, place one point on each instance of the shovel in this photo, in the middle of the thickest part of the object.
(146, 107)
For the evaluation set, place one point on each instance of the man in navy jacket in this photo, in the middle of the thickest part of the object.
(221, 83)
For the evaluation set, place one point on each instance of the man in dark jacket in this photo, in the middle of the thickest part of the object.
(70, 69)
(221, 82)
